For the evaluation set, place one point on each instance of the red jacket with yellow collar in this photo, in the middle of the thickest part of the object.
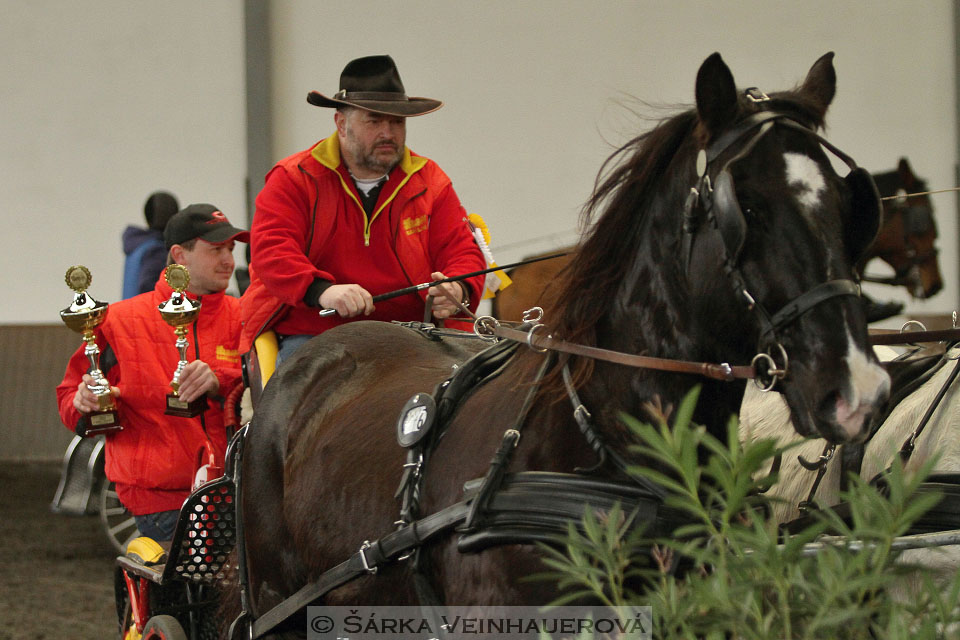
(309, 225)
(153, 460)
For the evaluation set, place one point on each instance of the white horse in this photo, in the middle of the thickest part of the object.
(765, 415)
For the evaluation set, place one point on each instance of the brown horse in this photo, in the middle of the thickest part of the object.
(778, 231)
(906, 241)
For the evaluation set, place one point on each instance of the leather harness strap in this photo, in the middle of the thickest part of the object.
(909, 337)
(366, 560)
(721, 371)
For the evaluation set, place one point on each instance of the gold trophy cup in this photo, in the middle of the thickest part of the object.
(180, 312)
(83, 316)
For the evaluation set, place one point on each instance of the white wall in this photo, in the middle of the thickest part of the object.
(104, 101)
(535, 91)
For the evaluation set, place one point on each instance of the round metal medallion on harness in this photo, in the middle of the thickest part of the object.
(416, 417)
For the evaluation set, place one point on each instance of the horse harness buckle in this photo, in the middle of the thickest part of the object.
(582, 415)
(371, 569)
(754, 94)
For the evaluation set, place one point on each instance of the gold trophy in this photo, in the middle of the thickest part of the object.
(180, 312)
(83, 316)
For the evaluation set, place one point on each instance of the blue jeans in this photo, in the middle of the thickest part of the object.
(159, 526)
(289, 344)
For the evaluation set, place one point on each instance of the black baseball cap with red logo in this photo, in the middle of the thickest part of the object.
(203, 221)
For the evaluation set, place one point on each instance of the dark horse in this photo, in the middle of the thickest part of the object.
(321, 464)
(906, 241)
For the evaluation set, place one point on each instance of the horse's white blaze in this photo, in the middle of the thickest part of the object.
(803, 174)
(868, 383)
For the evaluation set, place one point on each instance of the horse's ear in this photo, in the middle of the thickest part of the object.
(820, 84)
(716, 94)
(907, 177)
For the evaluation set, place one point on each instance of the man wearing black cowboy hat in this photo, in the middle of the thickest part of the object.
(354, 215)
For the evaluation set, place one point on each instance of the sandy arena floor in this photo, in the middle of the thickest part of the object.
(56, 572)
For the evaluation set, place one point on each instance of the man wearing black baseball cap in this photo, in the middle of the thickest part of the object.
(153, 459)
(202, 221)
(354, 215)
(201, 238)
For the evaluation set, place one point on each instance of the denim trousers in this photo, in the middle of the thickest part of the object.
(159, 526)
(289, 344)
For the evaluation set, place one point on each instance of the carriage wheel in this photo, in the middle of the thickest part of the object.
(163, 628)
(120, 526)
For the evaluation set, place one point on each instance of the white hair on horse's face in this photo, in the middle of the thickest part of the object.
(803, 174)
(805, 177)
(868, 381)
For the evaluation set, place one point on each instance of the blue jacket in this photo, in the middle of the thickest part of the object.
(146, 260)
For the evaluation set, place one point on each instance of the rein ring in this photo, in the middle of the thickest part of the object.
(772, 371)
(913, 323)
(486, 328)
(530, 339)
(533, 314)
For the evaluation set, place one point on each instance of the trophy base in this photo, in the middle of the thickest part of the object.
(99, 422)
(177, 407)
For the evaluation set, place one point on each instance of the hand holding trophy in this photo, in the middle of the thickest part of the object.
(83, 316)
(180, 312)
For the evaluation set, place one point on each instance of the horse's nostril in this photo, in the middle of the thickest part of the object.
(850, 422)
(827, 408)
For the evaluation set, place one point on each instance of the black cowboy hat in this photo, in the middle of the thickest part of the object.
(373, 83)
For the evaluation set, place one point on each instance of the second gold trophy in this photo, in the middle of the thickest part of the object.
(180, 312)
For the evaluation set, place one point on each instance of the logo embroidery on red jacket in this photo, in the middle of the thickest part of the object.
(415, 225)
(230, 355)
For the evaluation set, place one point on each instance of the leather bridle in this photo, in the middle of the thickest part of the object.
(713, 205)
(917, 221)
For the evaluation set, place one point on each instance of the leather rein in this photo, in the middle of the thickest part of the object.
(487, 327)
(490, 328)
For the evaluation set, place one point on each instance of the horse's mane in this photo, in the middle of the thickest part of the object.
(624, 191)
(614, 215)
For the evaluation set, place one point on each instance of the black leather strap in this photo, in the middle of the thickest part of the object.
(806, 301)
(381, 551)
(531, 505)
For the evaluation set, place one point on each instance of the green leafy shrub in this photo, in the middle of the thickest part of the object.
(739, 578)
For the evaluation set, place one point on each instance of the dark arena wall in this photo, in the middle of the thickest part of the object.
(32, 361)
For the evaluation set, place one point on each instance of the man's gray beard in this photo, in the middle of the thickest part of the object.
(371, 163)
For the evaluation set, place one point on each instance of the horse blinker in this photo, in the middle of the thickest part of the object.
(866, 210)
